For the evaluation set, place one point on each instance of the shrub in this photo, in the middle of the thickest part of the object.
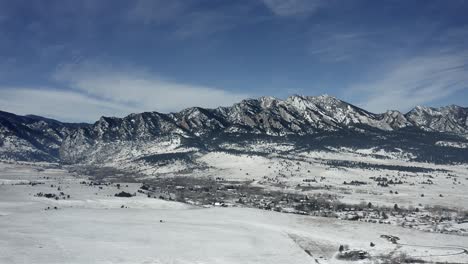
(123, 194)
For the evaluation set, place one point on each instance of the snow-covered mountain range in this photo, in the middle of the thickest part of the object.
(32, 137)
(304, 121)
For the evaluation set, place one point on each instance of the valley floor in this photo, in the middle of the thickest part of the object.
(48, 215)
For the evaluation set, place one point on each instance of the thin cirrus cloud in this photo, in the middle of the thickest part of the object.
(58, 104)
(338, 47)
(89, 91)
(186, 20)
(419, 80)
(184, 13)
(287, 8)
(156, 11)
(123, 90)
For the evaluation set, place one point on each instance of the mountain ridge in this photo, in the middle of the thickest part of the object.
(303, 116)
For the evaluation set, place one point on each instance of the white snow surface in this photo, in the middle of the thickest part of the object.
(91, 227)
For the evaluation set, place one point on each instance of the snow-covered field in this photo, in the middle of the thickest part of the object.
(93, 226)
(423, 184)
(442, 185)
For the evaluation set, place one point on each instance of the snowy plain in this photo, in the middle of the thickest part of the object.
(92, 227)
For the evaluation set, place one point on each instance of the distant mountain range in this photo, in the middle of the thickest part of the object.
(307, 122)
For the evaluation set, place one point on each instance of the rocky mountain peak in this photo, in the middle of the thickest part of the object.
(296, 115)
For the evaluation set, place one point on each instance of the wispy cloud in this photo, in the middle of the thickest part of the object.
(337, 47)
(287, 8)
(185, 19)
(156, 11)
(63, 105)
(419, 80)
(137, 90)
(93, 90)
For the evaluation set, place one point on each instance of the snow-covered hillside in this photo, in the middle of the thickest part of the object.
(293, 121)
(32, 137)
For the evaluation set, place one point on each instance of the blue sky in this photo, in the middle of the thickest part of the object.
(77, 60)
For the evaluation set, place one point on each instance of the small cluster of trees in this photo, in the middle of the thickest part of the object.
(124, 194)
